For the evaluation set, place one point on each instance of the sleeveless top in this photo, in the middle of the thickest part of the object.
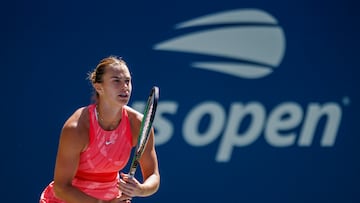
(107, 153)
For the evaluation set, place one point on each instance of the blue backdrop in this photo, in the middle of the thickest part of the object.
(258, 99)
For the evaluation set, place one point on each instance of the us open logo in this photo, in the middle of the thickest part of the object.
(247, 44)
(250, 42)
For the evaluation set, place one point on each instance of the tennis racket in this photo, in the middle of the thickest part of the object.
(145, 128)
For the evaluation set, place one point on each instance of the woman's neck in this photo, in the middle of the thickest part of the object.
(108, 118)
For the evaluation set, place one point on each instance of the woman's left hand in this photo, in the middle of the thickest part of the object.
(130, 186)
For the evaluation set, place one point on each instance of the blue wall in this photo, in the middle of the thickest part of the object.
(280, 126)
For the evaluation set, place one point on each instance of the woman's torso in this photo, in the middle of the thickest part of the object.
(107, 152)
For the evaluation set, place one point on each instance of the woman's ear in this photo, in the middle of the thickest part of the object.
(98, 88)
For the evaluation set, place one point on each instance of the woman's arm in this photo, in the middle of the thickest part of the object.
(131, 187)
(149, 168)
(73, 141)
(148, 163)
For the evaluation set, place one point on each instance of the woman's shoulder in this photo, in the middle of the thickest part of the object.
(75, 129)
(133, 114)
(79, 120)
(135, 118)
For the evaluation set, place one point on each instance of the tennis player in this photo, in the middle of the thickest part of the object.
(96, 143)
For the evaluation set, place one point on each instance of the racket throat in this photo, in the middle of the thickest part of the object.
(133, 168)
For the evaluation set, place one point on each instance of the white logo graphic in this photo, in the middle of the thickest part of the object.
(245, 43)
(109, 142)
(249, 42)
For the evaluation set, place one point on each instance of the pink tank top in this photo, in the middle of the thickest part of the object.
(107, 153)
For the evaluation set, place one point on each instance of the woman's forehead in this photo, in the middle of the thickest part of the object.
(118, 69)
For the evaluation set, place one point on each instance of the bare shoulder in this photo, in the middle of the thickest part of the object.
(78, 118)
(134, 115)
(76, 127)
(135, 118)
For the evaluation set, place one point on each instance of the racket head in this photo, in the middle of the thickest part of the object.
(145, 128)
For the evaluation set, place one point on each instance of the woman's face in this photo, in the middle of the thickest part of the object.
(116, 86)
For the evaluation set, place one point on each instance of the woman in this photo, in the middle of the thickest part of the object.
(96, 142)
